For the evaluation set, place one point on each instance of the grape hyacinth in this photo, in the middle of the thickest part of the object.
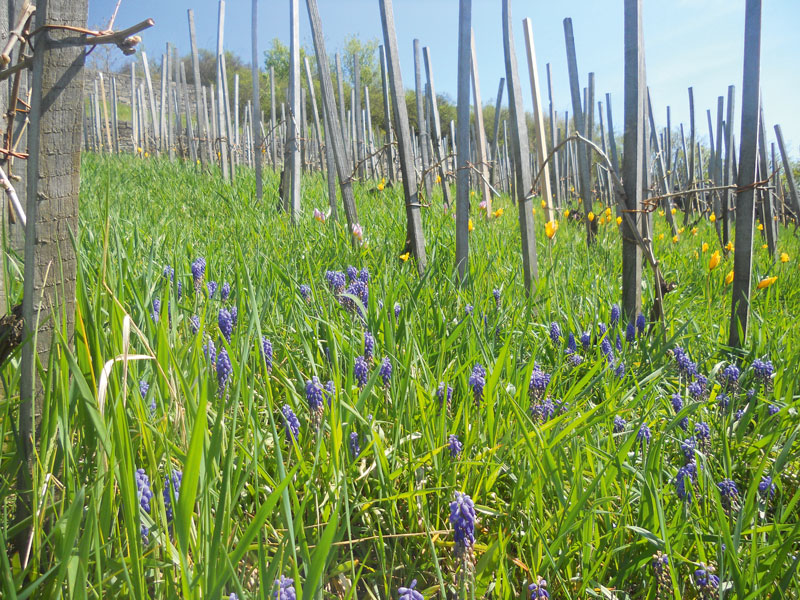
(212, 288)
(555, 332)
(477, 380)
(496, 294)
(586, 340)
(355, 449)
(144, 495)
(707, 583)
(360, 290)
(290, 423)
(538, 383)
(172, 488)
(386, 371)
(729, 494)
(285, 589)
(641, 323)
(773, 409)
(143, 388)
(168, 273)
(156, 310)
(409, 593)
(369, 345)
(660, 564)
(606, 349)
(266, 353)
(619, 424)
(572, 347)
(730, 376)
(615, 312)
(444, 391)
(194, 324)
(336, 281)
(454, 445)
(198, 272)
(397, 309)
(225, 291)
(619, 370)
(360, 371)
(763, 370)
(210, 352)
(619, 344)
(688, 449)
(544, 411)
(180, 290)
(643, 435)
(687, 473)
(225, 321)
(462, 518)
(630, 333)
(539, 589)
(224, 370)
(363, 275)
(575, 359)
(315, 399)
(330, 391)
(305, 293)
(468, 310)
(352, 273)
(766, 487)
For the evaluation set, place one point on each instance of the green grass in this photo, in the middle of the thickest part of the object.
(566, 499)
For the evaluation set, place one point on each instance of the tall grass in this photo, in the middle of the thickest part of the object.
(566, 498)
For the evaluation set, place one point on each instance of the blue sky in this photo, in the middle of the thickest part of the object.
(696, 43)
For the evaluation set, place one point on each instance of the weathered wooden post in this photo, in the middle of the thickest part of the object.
(415, 237)
(538, 118)
(728, 176)
(556, 177)
(256, 101)
(53, 182)
(437, 131)
(745, 205)
(770, 228)
(633, 158)
(496, 130)
(462, 140)
(387, 117)
(421, 124)
(480, 139)
(584, 190)
(293, 150)
(787, 171)
(519, 141)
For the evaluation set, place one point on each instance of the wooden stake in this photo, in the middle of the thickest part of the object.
(481, 155)
(462, 140)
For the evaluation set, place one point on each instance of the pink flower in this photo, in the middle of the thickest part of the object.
(482, 205)
(358, 232)
(319, 215)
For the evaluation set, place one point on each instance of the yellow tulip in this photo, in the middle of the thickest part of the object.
(714, 262)
(544, 204)
(674, 239)
(438, 179)
(498, 213)
(712, 218)
(760, 227)
(381, 185)
(660, 236)
(470, 226)
(784, 257)
(729, 246)
(661, 213)
(729, 278)
(674, 210)
(681, 230)
(694, 230)
(766, 282)
(696, 255)
(566, 214)
(608, 211)
(591, 216)
(619, 220)
(705, 247)
(764, 247)
(404, 257)
(550, 228)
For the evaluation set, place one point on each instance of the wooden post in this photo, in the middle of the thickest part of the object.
(770, 228)
(194, 150)
(728, 176)
(745, 205)
(293, 134)
(330, 163)
(612, 139)
(222, 148)
(462, 140)
(519, 141)
(538, 117)
(314, 110)
(135, 109)
(690, 170)
(662, 172)
(633, 158)
(421, 123)
(496, 129)
(415, 237)
(334, 132)
(584, 187)
(787, 171)
(588, 112)
(556, 178)
(202, 115)
(273, 125)
(342, 103)
(256, 117)
(480, 140)
(387, 117)
(437, 130)
(114, 114)
(357, 119)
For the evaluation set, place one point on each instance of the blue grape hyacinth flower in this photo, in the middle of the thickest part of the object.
(409, 593)
(454, 445)
(266, 353)
(386, 371)
(290, 423)
(615, 313)
(355, 449)
(462, 518)
(369, 345)
(172, 489)
(285, 589)
(477, 381)
(198, 272)
(225, 321)
(538, 590)
(555, 332)
(361, 371)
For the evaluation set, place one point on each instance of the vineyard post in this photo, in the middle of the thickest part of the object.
(415, 237)
(202, 116)
(538, 121)
(437, 130)
(387, 117)
(314, 109)
(496, 130)
(787, 170)
(462, 140)
(633, 158)
(718, 168)
(770, 228)
(519, 142)
(342, 103)
(293, 151)
(480, 132)
(421, 124)
(690, 171)
(612, 139)
(552, 111)
(588, 114)
(357, 119)
(256, 114)
(584, 187)
(368, 132)
(728, 175)
(745, 193)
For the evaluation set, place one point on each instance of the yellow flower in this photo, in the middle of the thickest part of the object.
(498, 213)
(729, 246)
(404, 257)
(714, 262)
(608, 211)
(696, 255)
(705, 247)
(566, 214)
(544, 204)
(601, 220)
(572, 188)
(382, 184)
(619, 220)
(729, 278)
(438, 179)
(712, 218)
(472, 193)
(764, 247)
(766, 282)
(681, 230)
(470, 226)
(674, 210)
(660, 236)
(694, 230)
(591, 216)
(146, 154)
(139, 149)
(661, 213)
(784, 257)
(760, 227)
(550, 228)
(674, 239)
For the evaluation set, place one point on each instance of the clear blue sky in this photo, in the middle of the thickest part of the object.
(696, 43)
